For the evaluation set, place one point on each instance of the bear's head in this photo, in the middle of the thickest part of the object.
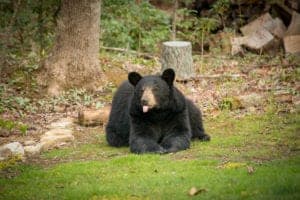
(152, 92)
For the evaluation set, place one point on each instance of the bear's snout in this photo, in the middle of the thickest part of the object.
(148, 99)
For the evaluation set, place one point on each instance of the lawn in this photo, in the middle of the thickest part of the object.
(250, 156)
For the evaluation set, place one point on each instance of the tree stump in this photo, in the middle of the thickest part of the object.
(178, 56)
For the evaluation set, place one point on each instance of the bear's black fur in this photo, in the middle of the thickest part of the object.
(152, 116)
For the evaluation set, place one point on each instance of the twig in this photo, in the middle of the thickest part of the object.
(212, 76)
(247, 68)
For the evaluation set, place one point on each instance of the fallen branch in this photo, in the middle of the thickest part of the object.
(145, 55)
(247, 68)
(213, 76)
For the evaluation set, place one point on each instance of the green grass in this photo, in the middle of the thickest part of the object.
(267, 143)
(154, 177)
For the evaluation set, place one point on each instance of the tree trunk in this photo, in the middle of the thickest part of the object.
(178, 56)
(174, 20)
(74, 59)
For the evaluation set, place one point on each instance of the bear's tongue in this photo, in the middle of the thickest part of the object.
(145, 109)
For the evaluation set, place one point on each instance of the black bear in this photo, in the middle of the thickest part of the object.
(152, 116)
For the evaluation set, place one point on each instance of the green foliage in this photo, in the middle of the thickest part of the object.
(134, 26)
(221, 7)
(230, 103)
(71, 97)
(195, 29)
(10, 126)
(10, 163)
(11, 101)
(27, 33)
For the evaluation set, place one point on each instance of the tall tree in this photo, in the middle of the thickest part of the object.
(74, 59)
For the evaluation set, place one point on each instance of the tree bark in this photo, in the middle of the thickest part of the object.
(178, 56)
(174, 20)
(74, 59)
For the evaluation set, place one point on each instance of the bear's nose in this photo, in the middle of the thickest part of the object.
(144, 102)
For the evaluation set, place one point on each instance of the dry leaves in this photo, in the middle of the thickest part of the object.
(194, 191)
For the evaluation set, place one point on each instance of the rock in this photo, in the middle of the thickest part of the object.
(55, 137)
(33, 149)
(62, 123)
(251, 100)
(29, 142)
(11, 149)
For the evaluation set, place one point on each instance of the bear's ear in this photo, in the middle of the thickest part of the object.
(168, 75)
(134, 78)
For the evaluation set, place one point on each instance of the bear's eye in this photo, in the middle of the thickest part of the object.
(155, 89)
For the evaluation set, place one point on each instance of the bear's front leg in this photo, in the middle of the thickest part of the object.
(141, 145)
(143, 139)
(177, 133)
(175, 142)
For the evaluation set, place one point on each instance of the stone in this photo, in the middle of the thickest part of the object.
(11, 149)
(55, 137)
(62, 123)
(29, 142)
(33, 149)
(251, 100)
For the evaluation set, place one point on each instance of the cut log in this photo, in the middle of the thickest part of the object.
(294, 27)
(258, 40)
(264, 33)
(94, 117)
(292, 44)
(274, 26)
(257, 24)
(277, 28)
(236, 45)
(292, 36)
(178, 56)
